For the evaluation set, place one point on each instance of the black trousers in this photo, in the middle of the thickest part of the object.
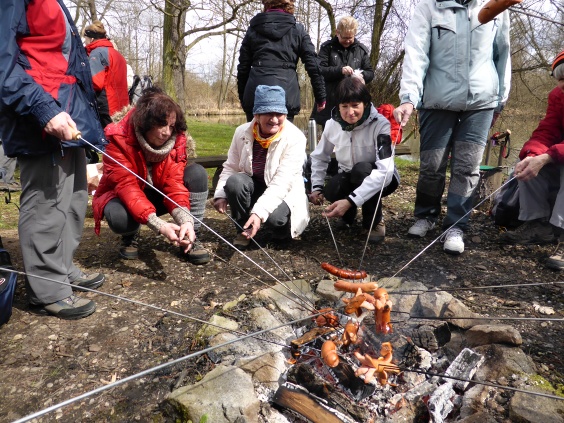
(342, 184)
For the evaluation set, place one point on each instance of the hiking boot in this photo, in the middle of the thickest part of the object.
(71, 308)
(530, 232)
(91, 281)
(241, 242)
(453, 241)
(377, 234)
(197, 254)
(420, 228)
(129, 249)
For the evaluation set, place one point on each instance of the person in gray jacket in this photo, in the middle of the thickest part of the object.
(457, 73)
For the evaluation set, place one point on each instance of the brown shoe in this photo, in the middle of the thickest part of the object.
(377, 234)
(241, 242)
(531, 232)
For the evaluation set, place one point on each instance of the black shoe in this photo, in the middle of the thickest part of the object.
(71, 308)
(129, 249)
(198, 254)
(92, 281)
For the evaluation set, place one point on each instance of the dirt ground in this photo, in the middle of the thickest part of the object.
(44, 360)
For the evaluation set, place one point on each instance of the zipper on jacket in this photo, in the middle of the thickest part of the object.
(352, 150)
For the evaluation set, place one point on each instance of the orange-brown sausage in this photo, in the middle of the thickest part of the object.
(493, 8)
(329, 354)
(353, 287)
(343, 273)
(328, 318)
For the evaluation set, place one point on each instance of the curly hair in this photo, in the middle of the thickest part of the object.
(286, 5)
(152, 110)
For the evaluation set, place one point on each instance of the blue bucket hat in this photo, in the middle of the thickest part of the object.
(269, 99)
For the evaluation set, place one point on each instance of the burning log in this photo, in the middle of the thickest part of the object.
(464, 366)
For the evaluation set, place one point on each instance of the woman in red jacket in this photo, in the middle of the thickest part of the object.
(150, 142)
(109, 72)
(540, 173)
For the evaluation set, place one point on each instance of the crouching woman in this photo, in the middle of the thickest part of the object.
(360, 138)
(262, 177)
(150, 141)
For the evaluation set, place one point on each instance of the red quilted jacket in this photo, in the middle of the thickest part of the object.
(549, 135)
(167, 176)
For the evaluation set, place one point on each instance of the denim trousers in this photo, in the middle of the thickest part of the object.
(458, 137)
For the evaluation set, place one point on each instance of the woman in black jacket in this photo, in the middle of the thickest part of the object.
(339, 57)
(269, 54)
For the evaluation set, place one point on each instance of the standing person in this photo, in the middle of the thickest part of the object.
(269, 54)
(262, 178)
(150, 141)
(46, 97)
(360, 138)
(7, 170)
(109, 72)
(338, 58)
(540, 173)
(457, 72)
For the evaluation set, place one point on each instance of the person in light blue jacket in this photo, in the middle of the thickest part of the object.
(457, 73)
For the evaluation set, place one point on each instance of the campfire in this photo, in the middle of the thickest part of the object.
(353, 366)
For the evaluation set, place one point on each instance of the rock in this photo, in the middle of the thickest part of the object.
(231, 304)
(220, 324)
(481, 417)
(503, 361)
(473, 400)
(326, 290)
(266, 369)
(392, 284)
(263, 319)
(247, 347)
(405, 296)
(284, 297)
(526, 408)
(225, 395)
(493, 334)
(94, 348)
(442, 304)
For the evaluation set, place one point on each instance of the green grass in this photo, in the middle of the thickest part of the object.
(212, 139)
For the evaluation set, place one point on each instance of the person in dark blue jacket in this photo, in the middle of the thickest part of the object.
(47, 97)
(269, 55)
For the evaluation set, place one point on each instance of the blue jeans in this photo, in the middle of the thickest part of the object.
(463, 137)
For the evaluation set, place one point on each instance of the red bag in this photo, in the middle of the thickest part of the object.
(387, 110)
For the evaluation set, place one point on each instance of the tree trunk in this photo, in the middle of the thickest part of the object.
(174, 51)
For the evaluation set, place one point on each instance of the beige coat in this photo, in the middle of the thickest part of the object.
(282, 173)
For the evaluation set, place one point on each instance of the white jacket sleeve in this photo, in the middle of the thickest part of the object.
(502, 59)
(416, 59)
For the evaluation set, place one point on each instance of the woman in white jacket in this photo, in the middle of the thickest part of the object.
(360, 138)
(262, 177)
(457, 73)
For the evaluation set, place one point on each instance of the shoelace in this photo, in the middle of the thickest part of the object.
(455, 232)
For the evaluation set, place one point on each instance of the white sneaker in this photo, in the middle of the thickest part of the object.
(420, 228)
(453, 241)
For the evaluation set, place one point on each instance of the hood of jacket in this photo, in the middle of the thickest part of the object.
(273, 25)
(102, 42)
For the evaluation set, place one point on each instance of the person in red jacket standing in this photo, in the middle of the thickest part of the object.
(109, 72)
(150, 142)
(540, 173)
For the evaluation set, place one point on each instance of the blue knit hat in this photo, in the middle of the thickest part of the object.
(269, 99)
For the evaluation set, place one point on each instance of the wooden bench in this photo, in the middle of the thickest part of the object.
(217, 161)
